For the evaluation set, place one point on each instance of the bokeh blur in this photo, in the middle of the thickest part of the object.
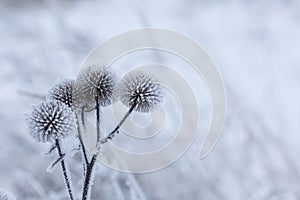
(255, 45)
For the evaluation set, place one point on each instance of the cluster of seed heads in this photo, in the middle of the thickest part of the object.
(51, 120)
(54, 118)
(140, 90)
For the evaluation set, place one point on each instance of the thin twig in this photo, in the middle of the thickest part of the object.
(82, 119)
(57, 161)
(98, 116)
(116, 130)
(50, 150)
(81, 142)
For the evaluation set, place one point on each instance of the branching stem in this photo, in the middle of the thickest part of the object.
(112, 134)
(90, 165)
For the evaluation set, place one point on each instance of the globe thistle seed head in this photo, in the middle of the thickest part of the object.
(95, 80)
(51, 120)
(139, 89)
(65, 92)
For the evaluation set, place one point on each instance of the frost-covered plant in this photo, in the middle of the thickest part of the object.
(51, 121)
(58, 116)
(96, 86)
(138, 91)
(65, 92)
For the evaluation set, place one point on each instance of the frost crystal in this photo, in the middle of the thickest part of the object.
(51, 120)
(64, 91)
(93, 80)
(139, 89)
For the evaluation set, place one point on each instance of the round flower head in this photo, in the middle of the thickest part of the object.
(140, 90)
(64, 91)
(51, 120)
(95, 80)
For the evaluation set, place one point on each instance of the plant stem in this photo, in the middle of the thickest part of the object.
(90, 166)
(64, 169)
(98, 117)
(112, 134)
(82, 119)
(87, 182)
(82, 147)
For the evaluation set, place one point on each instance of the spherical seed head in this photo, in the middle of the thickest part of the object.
(95, 80)
(139, 89)
(65, 92)
(51, 120)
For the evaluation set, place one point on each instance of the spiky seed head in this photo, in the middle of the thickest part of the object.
(139, 89)
(65, 92)
(95, 80)
(51, 120)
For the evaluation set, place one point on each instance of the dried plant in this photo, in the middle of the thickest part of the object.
(96, 86)
(52, 121)
(138, 91)
(58, 116)
(96, 82)
(65, 92)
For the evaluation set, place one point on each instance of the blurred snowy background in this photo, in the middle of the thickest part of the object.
(255, 45)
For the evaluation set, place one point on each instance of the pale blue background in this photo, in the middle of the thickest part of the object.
(255, 45)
